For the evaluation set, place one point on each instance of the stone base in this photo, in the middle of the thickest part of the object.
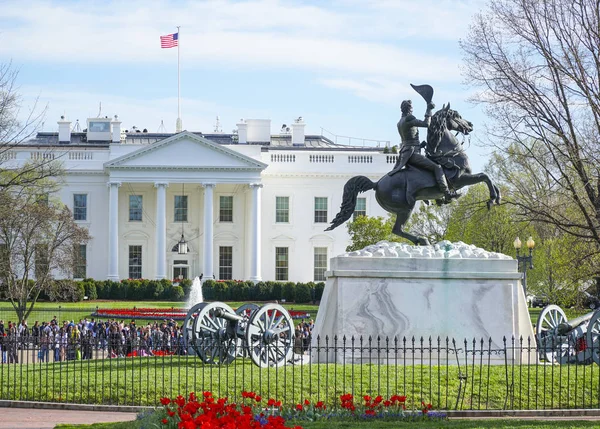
(413, 307)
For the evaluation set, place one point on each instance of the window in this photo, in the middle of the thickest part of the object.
(99, 127)
(281, 263)
(80, 206)
(41, 261)
(180, 268)
(135, 262)
(135, 207)
(320, 209)
(361, 208)
(320, 259)
(226, 209)
(79, 269)
(181, 208)
(225, 262)
(282, 209)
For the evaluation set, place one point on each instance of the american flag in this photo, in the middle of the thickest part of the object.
(169, 41)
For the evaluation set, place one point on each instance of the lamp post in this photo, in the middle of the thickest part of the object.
(522, 261)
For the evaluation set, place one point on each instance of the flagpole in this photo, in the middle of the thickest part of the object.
(178, 124)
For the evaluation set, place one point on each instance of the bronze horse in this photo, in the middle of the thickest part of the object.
(398, 193)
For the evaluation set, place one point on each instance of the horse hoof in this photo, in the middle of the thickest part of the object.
(423, 242)
(489, 204)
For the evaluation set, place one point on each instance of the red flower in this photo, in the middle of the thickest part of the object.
(164, 421)
(387, 403)
(320, 405)
(165, 401)
(258, 398)
(299, 407)
(180, 401)
(367, 398)
(170, 413)
(370, 412)
(378, 399)
(206, 395)
(271, 402)
(306, 402)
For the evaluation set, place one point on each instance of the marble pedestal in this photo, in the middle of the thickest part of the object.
(404, 298)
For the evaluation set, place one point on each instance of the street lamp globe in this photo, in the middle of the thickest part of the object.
(517, 243)
(530, 243)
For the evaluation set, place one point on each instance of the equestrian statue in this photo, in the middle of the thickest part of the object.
(437, 175)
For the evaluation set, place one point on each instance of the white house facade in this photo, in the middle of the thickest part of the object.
(248, 205)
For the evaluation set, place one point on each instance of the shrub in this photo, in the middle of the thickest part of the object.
(289, 291)
(319, 288)
(186, 285)
(90, 289)
(302, 293)
(176, 293)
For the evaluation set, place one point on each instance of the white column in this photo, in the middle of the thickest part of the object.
(161, 229)
(208, 230)
(113, 230)
(255, 244)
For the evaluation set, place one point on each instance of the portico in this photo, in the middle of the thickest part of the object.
(148, 209)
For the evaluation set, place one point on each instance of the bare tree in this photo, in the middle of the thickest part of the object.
(536, 64)
(39, 241)
(17, 126)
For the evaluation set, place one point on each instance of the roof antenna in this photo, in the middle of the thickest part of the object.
(99, 111)
(162, 128)
(218, 128)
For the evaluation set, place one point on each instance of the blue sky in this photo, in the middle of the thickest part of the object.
(343, 65)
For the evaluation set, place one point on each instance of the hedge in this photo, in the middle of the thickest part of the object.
(212, 290)
(236, 290)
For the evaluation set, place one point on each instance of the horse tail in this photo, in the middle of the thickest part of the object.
(352, 188)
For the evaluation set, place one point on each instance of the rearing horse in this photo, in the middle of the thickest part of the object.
(398, 193)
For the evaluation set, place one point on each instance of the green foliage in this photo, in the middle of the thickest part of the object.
(366, 230)
(319, 288)
(176, 293)
(288, 292)
(90, 289)
(186, 285)
(302, 293)
(395, 149)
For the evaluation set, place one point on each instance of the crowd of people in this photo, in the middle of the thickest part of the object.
(56, 341)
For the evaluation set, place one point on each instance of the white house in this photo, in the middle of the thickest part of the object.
(248, 205)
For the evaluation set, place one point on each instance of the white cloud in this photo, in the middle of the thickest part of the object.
(378, 38)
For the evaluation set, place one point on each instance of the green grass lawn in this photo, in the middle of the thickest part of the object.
(143, 381)
(45, 311)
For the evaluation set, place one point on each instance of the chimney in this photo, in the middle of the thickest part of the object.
(64, 130)
(259, 131)
(242, 132)
(298, 132)
(115, 125)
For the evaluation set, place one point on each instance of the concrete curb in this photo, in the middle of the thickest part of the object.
(482, 414)
(73, 407)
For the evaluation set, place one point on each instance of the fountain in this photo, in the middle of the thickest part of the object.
(195, 293)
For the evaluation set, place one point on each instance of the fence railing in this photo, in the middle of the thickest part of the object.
(452, 375)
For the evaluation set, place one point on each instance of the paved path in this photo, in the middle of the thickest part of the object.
(27, 418)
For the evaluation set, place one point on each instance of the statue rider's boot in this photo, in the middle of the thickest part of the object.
(443, 184)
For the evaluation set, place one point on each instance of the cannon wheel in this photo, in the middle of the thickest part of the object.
(551, 347)
(270, 336)
(246, 311)
(188, 325)
(212, 342)
(593, 337)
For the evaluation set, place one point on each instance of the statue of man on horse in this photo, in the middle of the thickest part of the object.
(410, 149)
(416, 177)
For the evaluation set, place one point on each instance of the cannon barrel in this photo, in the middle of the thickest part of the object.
(566, 327)
(219, 312)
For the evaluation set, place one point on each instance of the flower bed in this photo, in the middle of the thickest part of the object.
(254, 412)
(162, 313)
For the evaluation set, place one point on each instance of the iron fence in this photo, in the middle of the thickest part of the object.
(451, 375)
